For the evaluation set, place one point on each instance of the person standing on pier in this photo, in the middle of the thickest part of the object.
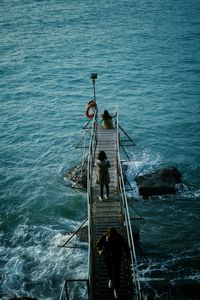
(111, 245)
(103, 177)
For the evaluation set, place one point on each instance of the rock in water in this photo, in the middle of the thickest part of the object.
(78, 175)
(160, 182)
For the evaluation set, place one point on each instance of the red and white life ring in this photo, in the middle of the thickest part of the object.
(90, 110)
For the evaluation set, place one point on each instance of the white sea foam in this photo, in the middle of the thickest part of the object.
(38, 261)
(140, 163)
(185, 191)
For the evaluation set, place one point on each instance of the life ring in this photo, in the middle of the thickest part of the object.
(91, 106)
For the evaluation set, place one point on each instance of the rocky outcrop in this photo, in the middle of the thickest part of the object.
(160, 182)
(78, 175)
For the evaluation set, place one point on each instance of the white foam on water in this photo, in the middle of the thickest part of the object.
(141, 162)
(172, 269)
(34, 264)
(185, 191)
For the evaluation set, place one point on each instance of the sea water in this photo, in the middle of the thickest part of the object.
(147, 56)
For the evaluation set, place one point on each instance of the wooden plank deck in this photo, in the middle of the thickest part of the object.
(105, 214)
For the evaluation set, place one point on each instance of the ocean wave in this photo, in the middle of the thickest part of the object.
(36, 263)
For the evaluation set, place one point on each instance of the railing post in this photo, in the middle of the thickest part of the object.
(91, 161)
(88, 288)
(93, 76)
(66, 291)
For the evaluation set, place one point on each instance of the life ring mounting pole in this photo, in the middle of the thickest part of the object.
(93, 76)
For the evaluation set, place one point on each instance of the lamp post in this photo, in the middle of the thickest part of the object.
(93, 76)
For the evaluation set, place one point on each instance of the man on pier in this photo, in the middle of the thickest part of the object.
(111, 244)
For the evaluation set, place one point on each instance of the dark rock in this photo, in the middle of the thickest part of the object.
(160, 182)
(156, 191)
(78, 175)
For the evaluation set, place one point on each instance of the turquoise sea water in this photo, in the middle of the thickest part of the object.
(147, 56)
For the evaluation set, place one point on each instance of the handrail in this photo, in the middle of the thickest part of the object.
(62, 292)
(91, 160)
(127, 220)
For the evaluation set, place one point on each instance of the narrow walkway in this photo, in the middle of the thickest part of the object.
(107, 214)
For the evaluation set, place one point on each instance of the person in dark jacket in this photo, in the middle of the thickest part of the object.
(103, 177)
(111, 245)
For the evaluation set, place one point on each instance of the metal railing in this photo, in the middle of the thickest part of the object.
(136, 281)
(91, 159)
(91, 162)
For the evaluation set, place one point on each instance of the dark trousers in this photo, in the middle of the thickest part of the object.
(113, 265)
(101, 190)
